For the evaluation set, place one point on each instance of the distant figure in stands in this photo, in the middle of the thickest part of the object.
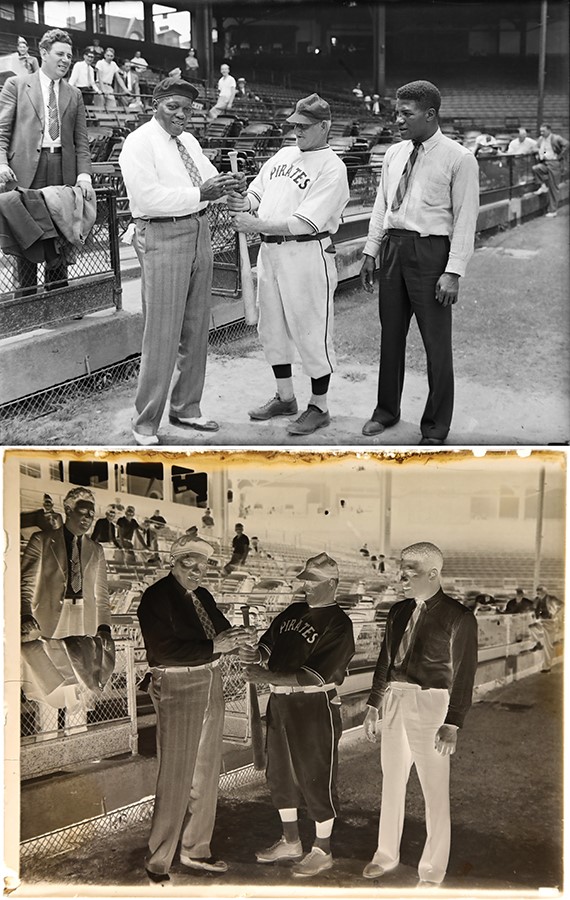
(139, 62)
(240, 550)
(110, 77)
(24, 64)
(357, 92)
(83, 76)
(423, 683)
(226, 92)
(364, 551)
(547, 609)
(485, 145)
(208, 521)
(97, 49)
(552, 149)
(105, 530)
(43, 134)
(191, 65)
(127, 526)
(63, 576)
(46, 518)
(519, 603)
(429, 186)
(522, 145)
(131, 79)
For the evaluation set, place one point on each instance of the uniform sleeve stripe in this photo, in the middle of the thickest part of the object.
(308, 221)
(313, 672)
(265, 647)
(255, 194)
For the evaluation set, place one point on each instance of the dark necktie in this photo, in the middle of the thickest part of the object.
(189, 164)
(408, 634)
(205, 620)
(53, 117)
(75, 566)
(405, 179)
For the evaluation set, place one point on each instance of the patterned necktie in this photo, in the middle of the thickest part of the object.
(405, 179)
(408, 634)
(53, 117)
(205, 620)
(75, 567)
(189, 164)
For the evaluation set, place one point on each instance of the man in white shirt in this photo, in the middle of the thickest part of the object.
(83, 76)
(422, 228)
(551, 150)
(522, 145)
(226, 92)
(109, 75)
(44, 135)
(169, 183)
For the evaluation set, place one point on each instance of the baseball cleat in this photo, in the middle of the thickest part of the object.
(274, 407)
(309, 421)
(314, 862)
(282, 849)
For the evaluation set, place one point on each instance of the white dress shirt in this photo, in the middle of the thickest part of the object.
(522, 148)
(82, 76)
(442, 197)
(155, 177)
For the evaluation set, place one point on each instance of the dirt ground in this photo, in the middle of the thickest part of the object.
(506, 796)
(511, 329)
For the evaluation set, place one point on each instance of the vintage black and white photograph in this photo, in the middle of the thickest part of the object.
(213, 213)
(269, 673)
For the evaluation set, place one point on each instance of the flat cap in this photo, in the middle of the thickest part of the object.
(189, 545)
(309, 110)
(174, 86)
(319, 568)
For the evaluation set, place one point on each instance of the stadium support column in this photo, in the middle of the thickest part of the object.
(379, 33)
(541, 61)
(538, 533)
(202, 38)
(218, 499)
(385, 511)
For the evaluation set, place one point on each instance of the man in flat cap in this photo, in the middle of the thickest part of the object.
(299, 196)
(303, 656)
(169, 183)
(185, 634)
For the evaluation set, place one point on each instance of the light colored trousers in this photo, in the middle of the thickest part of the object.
(189, 706)
(410, 719)
(176, 279)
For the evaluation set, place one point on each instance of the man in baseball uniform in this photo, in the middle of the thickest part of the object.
(299, 196)
(304, 655)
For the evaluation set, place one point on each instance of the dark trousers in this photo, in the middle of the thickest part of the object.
(49, 171)
(548, 173)
(410, 266)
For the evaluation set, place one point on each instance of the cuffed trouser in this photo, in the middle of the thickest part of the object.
(410, 266)
(295, 288)
(545, 632)
(176, 281)
(548, 173)
(410, 719)
(303, 731)
(189, 708)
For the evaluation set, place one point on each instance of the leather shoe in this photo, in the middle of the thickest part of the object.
(375, 870)
(157, 877)
(198, 424)
(431, 441)
(372, 427)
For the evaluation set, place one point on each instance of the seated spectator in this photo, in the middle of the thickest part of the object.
(240, 550)
(483, 603)
(376, 105)
(357, 92)
(158, 520)
(519, 603)
(522, 145)
(486, 145)
(364, 551)
(24, 64)
(208, 521)
(97, 49)
(110, 77)
(368, 102)
(139, 62)
(83, 76)
(226, 92)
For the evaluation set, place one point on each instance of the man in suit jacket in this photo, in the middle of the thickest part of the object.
(423, 682)
(63, 577)
(552, 148)
(105, 530)
(43, 135)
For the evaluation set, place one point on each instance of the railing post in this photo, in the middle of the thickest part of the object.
(114, 247)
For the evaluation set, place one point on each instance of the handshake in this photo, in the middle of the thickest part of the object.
(242, 638)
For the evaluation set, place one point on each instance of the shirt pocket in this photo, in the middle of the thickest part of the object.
(437, 191)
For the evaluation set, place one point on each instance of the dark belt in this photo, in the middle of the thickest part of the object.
(301, 239)
(195, 215)
(51, 149)
(403, 232)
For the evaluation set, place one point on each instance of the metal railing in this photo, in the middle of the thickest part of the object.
(505, 176)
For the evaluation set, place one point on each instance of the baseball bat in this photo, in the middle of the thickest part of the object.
(247, 292)
(255, 723)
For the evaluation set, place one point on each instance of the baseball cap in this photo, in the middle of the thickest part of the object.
(188, 545)
(174, 86)
(319, 568)
(309, 110)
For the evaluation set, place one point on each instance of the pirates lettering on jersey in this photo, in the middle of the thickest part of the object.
(303, 628)
(293, 172)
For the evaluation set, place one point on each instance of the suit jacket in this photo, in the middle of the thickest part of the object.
(22, 129)
(105, 532)
(43, 581)
(559, 144)
(442, 655)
